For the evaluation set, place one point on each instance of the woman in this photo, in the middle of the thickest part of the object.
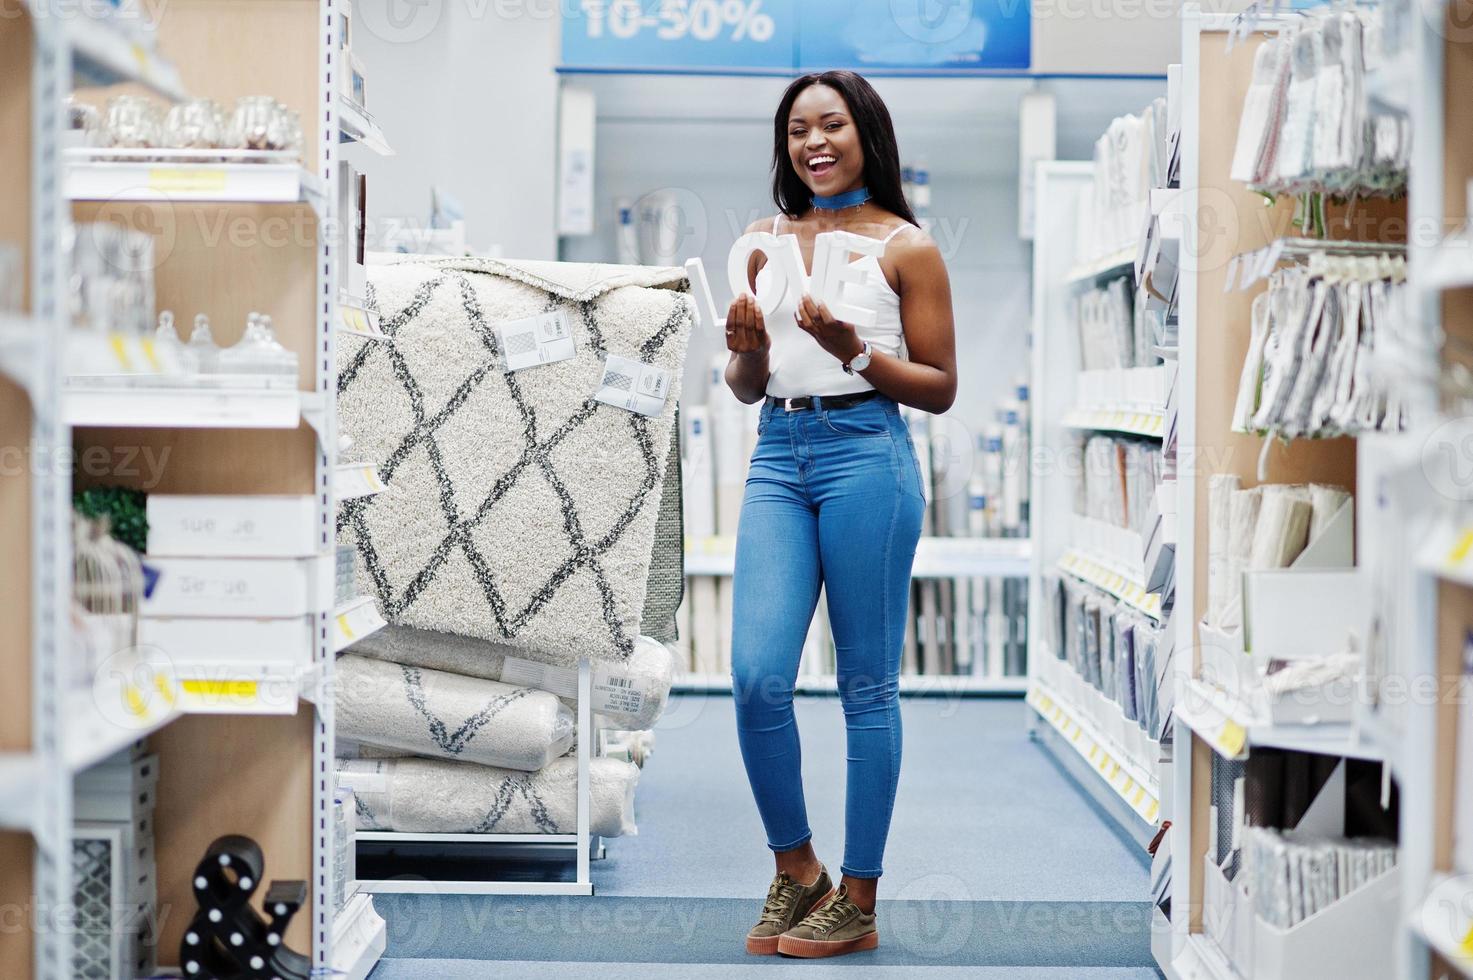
(833, 497)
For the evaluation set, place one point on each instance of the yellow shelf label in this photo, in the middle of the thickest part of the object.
(221, 689)
(1459, 554)
(1140, 794)
(345, 628)
(178, 180)
(1152, 810)
(119, 346)
(1466, 946)
(1231, 737)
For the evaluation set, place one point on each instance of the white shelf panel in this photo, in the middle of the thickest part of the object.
(936, 684)
(351, 480)
(395, 837)
(21, 779)
(180, 406)
(935, 557)
(100, 723)
(20, 339)
(1133, 780)
(359, 938)
(1090, 569)
(1200, 959)
(1449, 266)
(172, 176)
(1445, 920)
(1128, 420)
(1118, 264)
(354, 620)
(1231, 727)
(102, 54)
(357, 125)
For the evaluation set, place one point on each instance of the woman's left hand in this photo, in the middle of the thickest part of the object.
(835, 336)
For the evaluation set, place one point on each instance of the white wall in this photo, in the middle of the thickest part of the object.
(468, 99)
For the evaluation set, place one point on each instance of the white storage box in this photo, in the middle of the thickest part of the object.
(1355, 937)
(249, 588)
(231, 526)
(230, 649)
(1227, 916)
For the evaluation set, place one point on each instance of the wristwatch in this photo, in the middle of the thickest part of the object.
(860, 361)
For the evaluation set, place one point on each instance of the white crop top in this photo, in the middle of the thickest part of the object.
(797, 365)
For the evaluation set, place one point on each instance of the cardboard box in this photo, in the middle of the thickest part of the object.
(230, 649)
(250, 588)
(231, 526)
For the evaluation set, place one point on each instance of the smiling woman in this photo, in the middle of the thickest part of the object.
(834, 498)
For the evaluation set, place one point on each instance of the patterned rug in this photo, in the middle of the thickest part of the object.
(517, 508)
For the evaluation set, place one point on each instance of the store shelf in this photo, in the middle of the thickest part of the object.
(172, 176)
(360, 936)
(1444, 920)
(1118, 264)
(1231, 727)
(1133, 780)
(354, 620)
(395, 837)
(935, 557)
(356, 318)
(21, 778)
(180, 406)
(103, 54)
(19, 348)
(1089, 569)
(1200, 959)
(350, 480)
(1127, 420)
(116, 713)
(357, 125)
(940, 685)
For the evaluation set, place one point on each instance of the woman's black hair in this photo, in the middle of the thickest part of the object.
(876, 137)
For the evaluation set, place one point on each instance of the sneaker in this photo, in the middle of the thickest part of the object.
(835, 927)
(788, 901)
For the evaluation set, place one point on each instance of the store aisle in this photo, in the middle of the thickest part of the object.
(997, 866)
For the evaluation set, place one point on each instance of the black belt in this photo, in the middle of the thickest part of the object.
(804, 403)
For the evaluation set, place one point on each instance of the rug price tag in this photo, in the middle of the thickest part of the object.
(535, 340)
(615, 693)
(633, 385)
(562, 681)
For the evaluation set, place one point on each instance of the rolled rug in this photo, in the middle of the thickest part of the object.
(449, 716)
(431, 796)
(631, 695)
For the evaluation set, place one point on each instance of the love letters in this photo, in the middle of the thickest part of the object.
(786, 281)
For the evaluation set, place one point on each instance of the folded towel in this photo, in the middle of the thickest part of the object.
(434, 713)
(631, 695)
(431, 796)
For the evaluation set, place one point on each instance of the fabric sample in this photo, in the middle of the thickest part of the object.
(650, 669)
(517, 508)
(431, 796)
(434, 713)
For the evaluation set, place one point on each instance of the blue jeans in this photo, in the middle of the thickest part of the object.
(833, 498)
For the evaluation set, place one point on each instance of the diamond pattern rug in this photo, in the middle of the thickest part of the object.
(517, 508)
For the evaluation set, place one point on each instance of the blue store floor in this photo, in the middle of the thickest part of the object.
(997, 867)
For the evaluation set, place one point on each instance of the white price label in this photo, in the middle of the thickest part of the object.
(364, 776)
(535, 340)
(633, 385)
(615, 693)
(562, 681)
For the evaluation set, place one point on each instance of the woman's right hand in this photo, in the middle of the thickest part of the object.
(746, 332)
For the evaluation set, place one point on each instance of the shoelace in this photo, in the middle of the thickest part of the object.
(781, 896)
(835, 912)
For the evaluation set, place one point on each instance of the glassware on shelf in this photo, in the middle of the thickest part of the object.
(111, 286)
(132, 121)
(258, 352)
(261, 123)
(202, 345)
(173, 356)
(195, 124)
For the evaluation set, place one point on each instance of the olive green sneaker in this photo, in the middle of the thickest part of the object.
(788, 901)
(833, 928)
